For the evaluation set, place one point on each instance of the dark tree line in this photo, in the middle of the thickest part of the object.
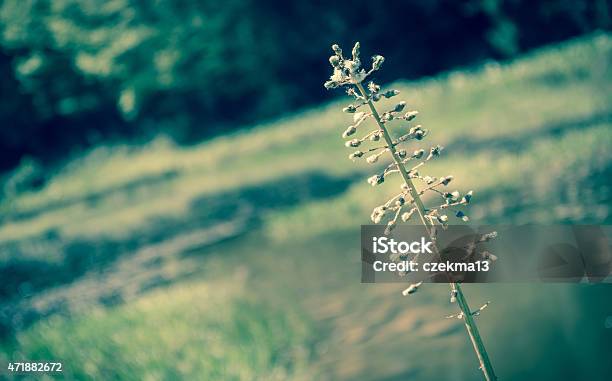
(78, 72)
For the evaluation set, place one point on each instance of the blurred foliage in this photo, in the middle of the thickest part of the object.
(76, 72)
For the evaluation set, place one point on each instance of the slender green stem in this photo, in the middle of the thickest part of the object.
(468, 319)
(472, 329)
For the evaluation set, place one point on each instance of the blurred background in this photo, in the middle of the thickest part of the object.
(176, 199)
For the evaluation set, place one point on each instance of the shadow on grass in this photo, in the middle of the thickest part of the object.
(516, 142)
(35, 285)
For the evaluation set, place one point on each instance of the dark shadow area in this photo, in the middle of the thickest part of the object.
(516, 142)
(203, 69)
(212, 219)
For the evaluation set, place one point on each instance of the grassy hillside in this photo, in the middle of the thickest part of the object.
(238, 258)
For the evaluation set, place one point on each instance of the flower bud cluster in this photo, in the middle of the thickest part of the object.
(348, 72)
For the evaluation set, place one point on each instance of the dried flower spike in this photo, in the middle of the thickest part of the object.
(349, 73)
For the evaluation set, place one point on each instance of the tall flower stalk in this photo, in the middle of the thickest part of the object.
(349, 74)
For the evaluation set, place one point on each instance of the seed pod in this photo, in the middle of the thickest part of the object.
(350, 109)
(412, 289)
(418, 154)
(355, 155)
(378, 213)
(376, 97)
(390, 226)
(489, 256)
(372, 159)
(406, 216)
(400, 106)
(376, 179)
(417, 132)
(410, 115)
(435, 152)
(488, 236)
(330, 84)
(429, 180)
(391, 93)
(349, 131)
(467, 198)
(446, 180)
(401, 154)
(375, 137)
(353, 143)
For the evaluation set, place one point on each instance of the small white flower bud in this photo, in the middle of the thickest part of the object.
(376, 179)
(372, 159)
(467, 198)
(446, 180)
(490, 257)
(330, 84)
(391, 93)
(401, 154)
(412, 289)
(390, 226)
(355, 155)
(349, 131)
(353, 143)
(334, 61)
(356, 51)
(337, 49)
(487, 237)
(374, 88)
(400, 106)
(378, 213)
(418, 154)
(417, 132)
(434, 152)
(350, 109)
(377, 62)
(410, 115)
(406, 216)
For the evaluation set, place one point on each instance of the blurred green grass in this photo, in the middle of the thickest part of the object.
(203, 331)
(532, 137)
